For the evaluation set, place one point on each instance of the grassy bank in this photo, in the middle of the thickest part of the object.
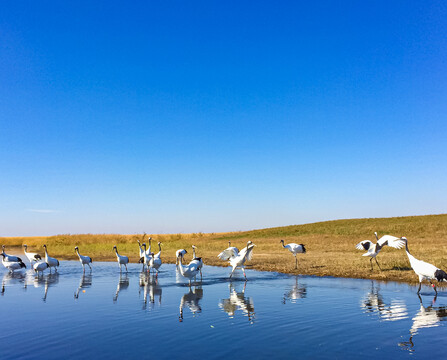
(330, 246)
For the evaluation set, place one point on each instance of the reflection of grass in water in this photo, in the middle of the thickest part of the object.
(330, 246)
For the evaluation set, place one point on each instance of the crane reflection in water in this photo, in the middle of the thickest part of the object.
(191, 300)
(123, 284)
(48, 280)
(295, 292)
(373, 303)
(31, 279)
(10, 279)
(238, 301)
(426, 317)
(150, 287)
(84, 283)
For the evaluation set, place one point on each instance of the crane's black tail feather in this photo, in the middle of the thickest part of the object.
(440, 275)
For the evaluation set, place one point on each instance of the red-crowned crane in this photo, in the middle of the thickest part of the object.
(52, 262)
(32, 257)
(294, 249)
(85, 260)
(374, 249)
(122, 260)
(424, 270)
(239, 260)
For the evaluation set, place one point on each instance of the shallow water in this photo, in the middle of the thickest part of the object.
(113, 315)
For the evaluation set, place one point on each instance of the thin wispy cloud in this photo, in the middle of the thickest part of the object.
(42, 211)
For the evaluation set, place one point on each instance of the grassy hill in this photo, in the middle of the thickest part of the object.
(330, 246)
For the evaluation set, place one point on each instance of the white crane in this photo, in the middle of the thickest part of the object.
(122, 260)
(148, 250)
(159, 250)
(40, 266)
(52, 262)
(146, 259)
(32, 257)
(10, 258)
(294, 249)
(374, 249)
(239, 260)
(197, 259)
(188, 271)
(228, 252)
(424, 270)
(141, 252)
(155, 262)
(85, 260)
(179, 255)
(12, 265)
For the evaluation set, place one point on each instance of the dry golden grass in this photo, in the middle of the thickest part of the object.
(330, 246)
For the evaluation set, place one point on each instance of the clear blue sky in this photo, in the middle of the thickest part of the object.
(188, 116)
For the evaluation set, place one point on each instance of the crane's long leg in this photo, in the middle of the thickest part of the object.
(419, 290)
(126, 267)
(370, 261)
(243, 269)
(296, 262)
(434, 287)
(89, 267)
(378, 264)
(232, 271)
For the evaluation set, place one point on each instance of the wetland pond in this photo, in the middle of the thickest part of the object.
(105, 314)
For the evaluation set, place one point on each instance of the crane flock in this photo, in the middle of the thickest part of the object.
(235, 257)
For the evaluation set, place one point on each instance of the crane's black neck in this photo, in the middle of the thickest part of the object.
(406, 247)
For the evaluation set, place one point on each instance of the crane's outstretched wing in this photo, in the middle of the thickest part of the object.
(247, 252)
(228, 253)
(364, 245)
(392, 241)
(250, 252)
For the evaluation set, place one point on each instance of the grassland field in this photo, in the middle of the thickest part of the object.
(330, 246)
